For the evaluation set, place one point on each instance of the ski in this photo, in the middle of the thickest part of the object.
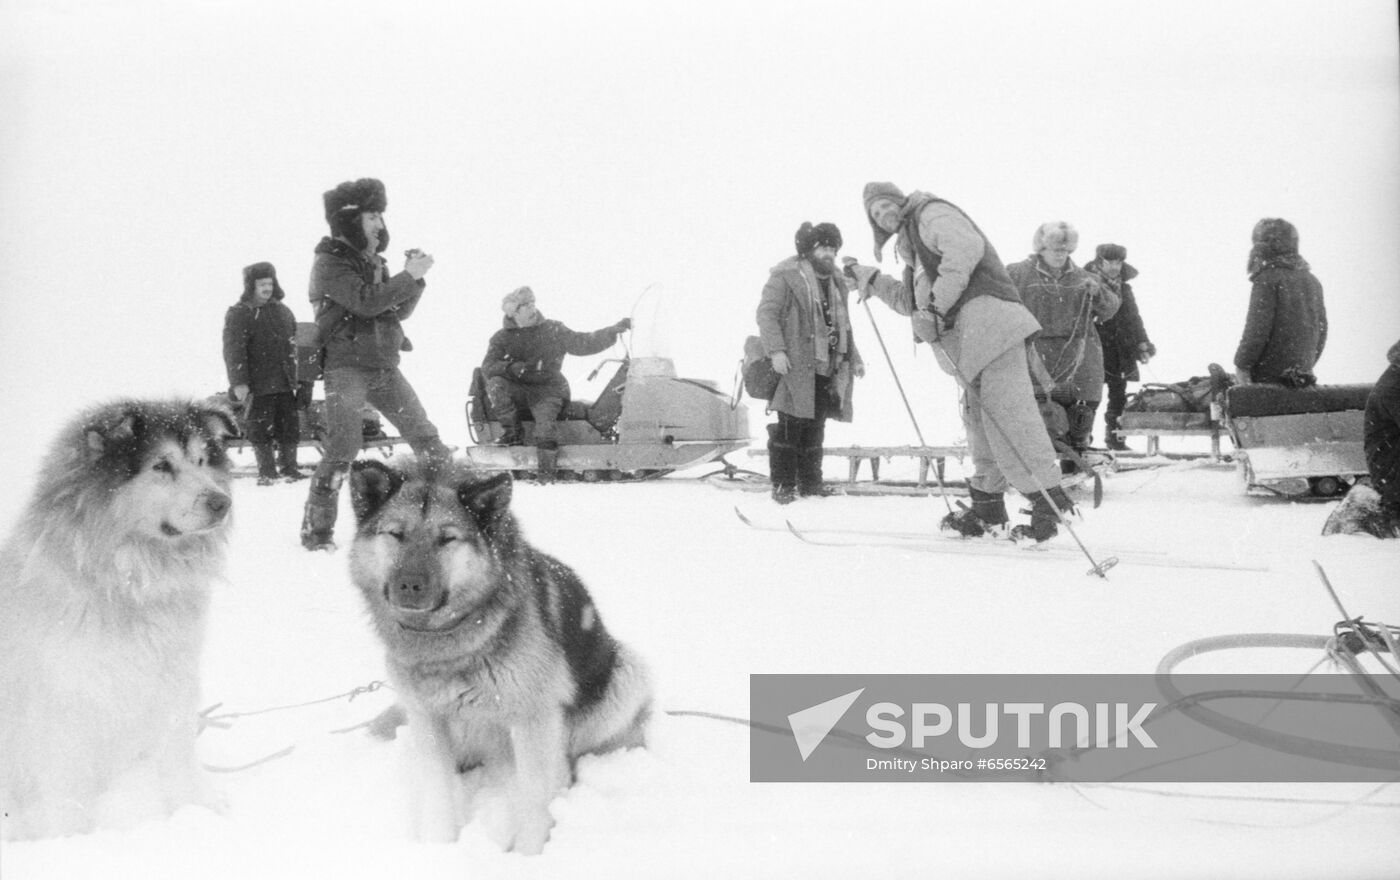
(931, 543)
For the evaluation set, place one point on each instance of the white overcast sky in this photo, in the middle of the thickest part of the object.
(149, 150)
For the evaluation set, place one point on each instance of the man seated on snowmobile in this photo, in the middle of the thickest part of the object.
(523, 370)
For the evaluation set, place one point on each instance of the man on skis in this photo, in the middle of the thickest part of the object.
(963, 304)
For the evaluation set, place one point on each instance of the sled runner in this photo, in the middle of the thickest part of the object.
(646, 422)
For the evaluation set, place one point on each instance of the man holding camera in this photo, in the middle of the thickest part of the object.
(359, 310)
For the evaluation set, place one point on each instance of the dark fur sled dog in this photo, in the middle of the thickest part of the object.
(496, 650)
(104, 586)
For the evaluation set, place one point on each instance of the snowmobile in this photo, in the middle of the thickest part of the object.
(646, 422)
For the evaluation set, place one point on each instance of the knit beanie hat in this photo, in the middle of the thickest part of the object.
(252, 273)
(516, 298)
(881, 190)
(1111, 252)
(809, 237)
(1054, 234)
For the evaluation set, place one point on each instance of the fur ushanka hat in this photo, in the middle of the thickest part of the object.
(1111, 252)
(516, 298)
(349, 200)
(1275, 237)
(1053, 234)
(261, 270)
(809, 237)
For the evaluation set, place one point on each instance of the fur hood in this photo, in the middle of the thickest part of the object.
(253, 273)
(1394, 355)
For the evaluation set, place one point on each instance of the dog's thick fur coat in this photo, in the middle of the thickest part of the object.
(501, 660)
(104, 585)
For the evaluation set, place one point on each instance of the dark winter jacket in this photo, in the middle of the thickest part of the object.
(260, 348)
(1123, 336)
(1382, 432)
(534, 355)
(1067, 306)
(1286, 328)
(359, 307)
(790, 320)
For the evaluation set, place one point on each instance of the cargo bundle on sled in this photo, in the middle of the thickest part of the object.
(646, 422)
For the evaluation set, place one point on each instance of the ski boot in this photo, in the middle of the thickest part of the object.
(1045, 522)
(784, 493)
(986, 517)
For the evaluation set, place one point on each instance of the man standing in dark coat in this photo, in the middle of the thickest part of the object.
(260, 356)
(1286, 328)
(523, 368)
(359, 309)
(1124, 338)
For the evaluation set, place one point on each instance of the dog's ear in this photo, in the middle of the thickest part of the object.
(102, 435)
(217, 422)
(372, 484)
(486, 499)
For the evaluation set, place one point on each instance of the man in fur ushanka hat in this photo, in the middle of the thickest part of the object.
(524, 373)
(260, 357)
(360, 307)
(805, 327)
(963, 304)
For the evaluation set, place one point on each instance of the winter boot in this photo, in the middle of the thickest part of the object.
(1112, 425)
(510, 434)
(267, 470)
(322, 502)
(1045, 522)
(287, 462)
(782, 466)
(547, 453)
(986, 516)
(809, 474)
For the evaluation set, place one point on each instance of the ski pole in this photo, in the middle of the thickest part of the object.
(937, 477)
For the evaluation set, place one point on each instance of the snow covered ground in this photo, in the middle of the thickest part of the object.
(708, 601)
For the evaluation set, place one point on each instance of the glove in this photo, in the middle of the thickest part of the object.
(862, 276)
(517, 370)
(780, 363)
(623, 325)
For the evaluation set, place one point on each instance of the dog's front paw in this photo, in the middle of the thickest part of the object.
(515, 827)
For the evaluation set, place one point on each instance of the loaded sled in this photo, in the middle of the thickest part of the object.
(646, 422)
(1298, 442)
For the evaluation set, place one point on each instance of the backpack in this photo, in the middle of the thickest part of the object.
(1195, 395)
(760, 380)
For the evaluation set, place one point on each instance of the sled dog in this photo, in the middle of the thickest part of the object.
(501, 661)
(104, 585)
